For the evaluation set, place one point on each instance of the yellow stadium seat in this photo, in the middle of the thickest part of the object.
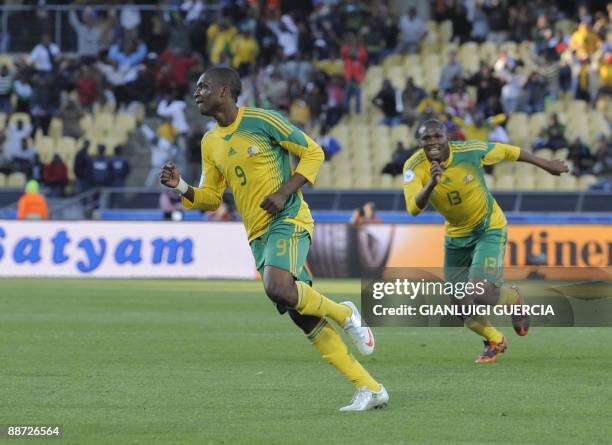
(585, 181)
(490, 181)
(545, 181)
(104, 121)
(125, 122)
(16, 180)
(2, 120)
(445, 30)
(503, 168)
(577, 108)
(545, 153)
(86, 122)
(385, 182)
(392, 61)
(510, 47)
(45, 147)
(488, 51)
(24, 117)
(505, 182)
(567, 182)
(561, 153)
(401, 133)
(2, 179)
(524, 183)
(66, 145)
(56, 128)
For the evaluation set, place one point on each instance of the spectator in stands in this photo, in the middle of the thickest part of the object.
(411, 97)
(6, 87)
(87, 87)
(71, 114)
(461, 25)
(175, 107)
(605, 75)
(179, 65)
(55, 176)
(583, 84)
(335, 101)
(32, 205)
(90, 32)
(433, 102)
(44, 57)
(398, 159)
(162, 151)
(101, 168)
(584, 42)
(24, 159)
(458, 99)
(130, 53)
(480, 23)
(354, 55)
(328, 143)
(413, 31)
(219, 36)
(121, 167)
(498, 22)
(16, 132)
(171, 206)
(535, 92)
(245, 50)
(452, 70)
(299, 112)
(581, 157)
(6, 163)
(555, 134)
(45, 102)
(82, 167)
(365, 215)
(130, 19)
(497, 132)
(603, 156)
(487, 86)
(511, 91)
(387, 100)
(36, 170)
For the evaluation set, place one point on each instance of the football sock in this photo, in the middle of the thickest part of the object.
(310, 302)
(482, 326)
(330, 345)
(508, 296)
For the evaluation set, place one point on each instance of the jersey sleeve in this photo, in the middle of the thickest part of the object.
(497, 152)
(295, 141)
(209, 194)
(413, 184)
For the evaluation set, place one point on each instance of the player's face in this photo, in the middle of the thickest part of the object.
(435, 143)
(206, 96)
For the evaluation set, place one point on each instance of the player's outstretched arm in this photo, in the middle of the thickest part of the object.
(553, 166)
(208, 197)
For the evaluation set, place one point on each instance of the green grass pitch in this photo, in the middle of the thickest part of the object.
(210, 362)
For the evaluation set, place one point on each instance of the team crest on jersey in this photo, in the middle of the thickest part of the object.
(468, 178)
(253, 150)
(408, 176)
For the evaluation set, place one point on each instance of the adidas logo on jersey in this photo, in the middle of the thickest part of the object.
(231, 151)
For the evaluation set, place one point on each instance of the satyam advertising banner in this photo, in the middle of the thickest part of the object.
(221, 250)
(124, 249)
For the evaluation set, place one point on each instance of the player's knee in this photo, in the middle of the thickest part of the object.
(490, 293)
(279, 292)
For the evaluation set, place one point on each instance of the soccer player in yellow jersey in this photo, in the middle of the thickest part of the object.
(450, 175)
(249, 149)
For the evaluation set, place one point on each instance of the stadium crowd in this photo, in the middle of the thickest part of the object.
(306, 58)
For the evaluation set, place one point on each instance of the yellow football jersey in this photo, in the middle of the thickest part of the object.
(252, 156)
(461, 196)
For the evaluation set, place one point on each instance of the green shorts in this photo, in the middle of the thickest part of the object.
(285, 246)
(478, 256)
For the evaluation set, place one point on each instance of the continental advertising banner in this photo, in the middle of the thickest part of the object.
(358, 251)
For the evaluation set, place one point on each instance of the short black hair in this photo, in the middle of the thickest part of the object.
(429, 123)
(226, 77)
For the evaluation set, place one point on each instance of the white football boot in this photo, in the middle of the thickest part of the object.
(362, 335)
(364, 399)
